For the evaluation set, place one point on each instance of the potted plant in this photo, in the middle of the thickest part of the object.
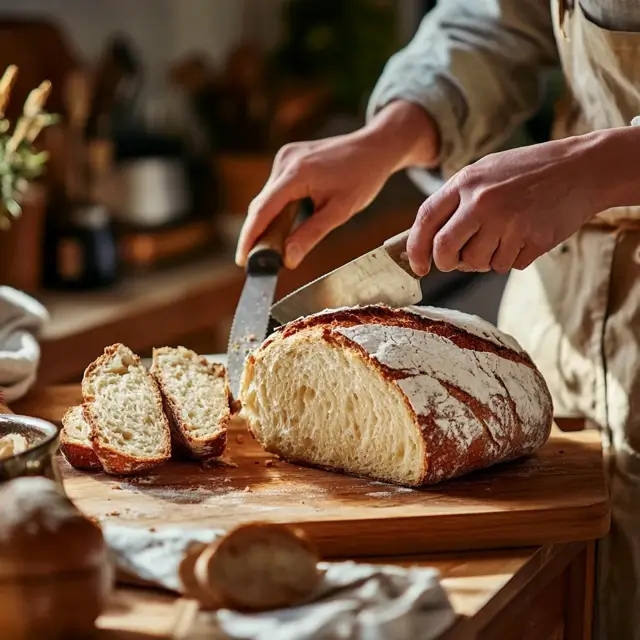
(20, 165)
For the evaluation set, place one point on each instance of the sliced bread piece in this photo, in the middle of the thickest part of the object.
(196, 399)
(129, 431)
(75, 443)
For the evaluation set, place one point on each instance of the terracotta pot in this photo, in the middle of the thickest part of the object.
(22, 245)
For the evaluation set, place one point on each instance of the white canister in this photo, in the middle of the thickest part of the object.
(150, 192)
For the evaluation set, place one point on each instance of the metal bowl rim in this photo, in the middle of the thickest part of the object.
(51, 432)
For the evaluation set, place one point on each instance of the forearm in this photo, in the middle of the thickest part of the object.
(405, 133)
(474, 67)
(612, 167)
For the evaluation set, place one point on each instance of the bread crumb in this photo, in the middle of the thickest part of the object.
(270, 463)
(223, 461)
(239, 438)
(247, 489)
(152, 529)
(117, 488)
(113, 513)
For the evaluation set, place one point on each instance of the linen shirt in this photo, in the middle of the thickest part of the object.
(477, 67)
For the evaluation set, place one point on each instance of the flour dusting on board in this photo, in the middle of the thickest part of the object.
(222, 495)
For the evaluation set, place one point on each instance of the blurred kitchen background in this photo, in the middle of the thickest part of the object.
(171, 111)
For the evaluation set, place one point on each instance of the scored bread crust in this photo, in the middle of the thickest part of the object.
(183, 440)
(113, 461)
(523, 426)
(78, 454)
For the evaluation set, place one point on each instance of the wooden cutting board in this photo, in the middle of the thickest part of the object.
(557, 495)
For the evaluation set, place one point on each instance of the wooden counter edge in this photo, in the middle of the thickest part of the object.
(544, 593)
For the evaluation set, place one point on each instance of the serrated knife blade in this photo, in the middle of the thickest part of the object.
(251, 319)
(380, 276)
(250, 323)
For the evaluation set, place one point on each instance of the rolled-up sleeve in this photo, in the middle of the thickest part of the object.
(476, 67)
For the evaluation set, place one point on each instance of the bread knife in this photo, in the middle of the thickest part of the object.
(380, 276)
(251, 320)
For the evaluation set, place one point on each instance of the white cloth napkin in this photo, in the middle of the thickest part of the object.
(354, 601)
(21, 320)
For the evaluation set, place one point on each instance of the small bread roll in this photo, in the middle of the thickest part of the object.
(257, 567)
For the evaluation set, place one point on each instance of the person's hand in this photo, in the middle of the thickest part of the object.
(341, 175)
(507, 209)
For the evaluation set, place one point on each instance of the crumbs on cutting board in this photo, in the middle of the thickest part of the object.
(222, 461)
(220, 494)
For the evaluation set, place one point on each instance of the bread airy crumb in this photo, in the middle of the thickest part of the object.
(129, 431)
(196, 399)
(75, 442)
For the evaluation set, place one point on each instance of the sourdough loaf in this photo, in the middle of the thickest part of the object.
(196, 399)
(410, 396)
(129, 431)
(75, 442)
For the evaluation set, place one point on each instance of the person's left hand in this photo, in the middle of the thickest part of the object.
(507, 209)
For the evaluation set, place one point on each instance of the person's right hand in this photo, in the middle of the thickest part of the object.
(341, 175)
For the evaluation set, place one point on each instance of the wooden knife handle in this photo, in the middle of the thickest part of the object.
(267, 254)
(396, 247)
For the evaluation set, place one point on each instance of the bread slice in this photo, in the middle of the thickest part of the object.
(129, 431)
(409, 396)
(75, 443)
(196, 399)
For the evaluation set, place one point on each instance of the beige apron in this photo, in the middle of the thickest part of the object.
(584, 332)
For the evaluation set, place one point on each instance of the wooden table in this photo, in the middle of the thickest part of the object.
(544, 592)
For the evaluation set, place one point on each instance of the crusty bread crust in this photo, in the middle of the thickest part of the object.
(443, 457)
(114, 461)
(183, 441)
(78, 455)
(239, 572)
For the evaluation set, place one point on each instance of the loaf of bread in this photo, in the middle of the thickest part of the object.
(129, 431)
(75, 442)
(196, 400)
(255, 567)
(408, 396)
